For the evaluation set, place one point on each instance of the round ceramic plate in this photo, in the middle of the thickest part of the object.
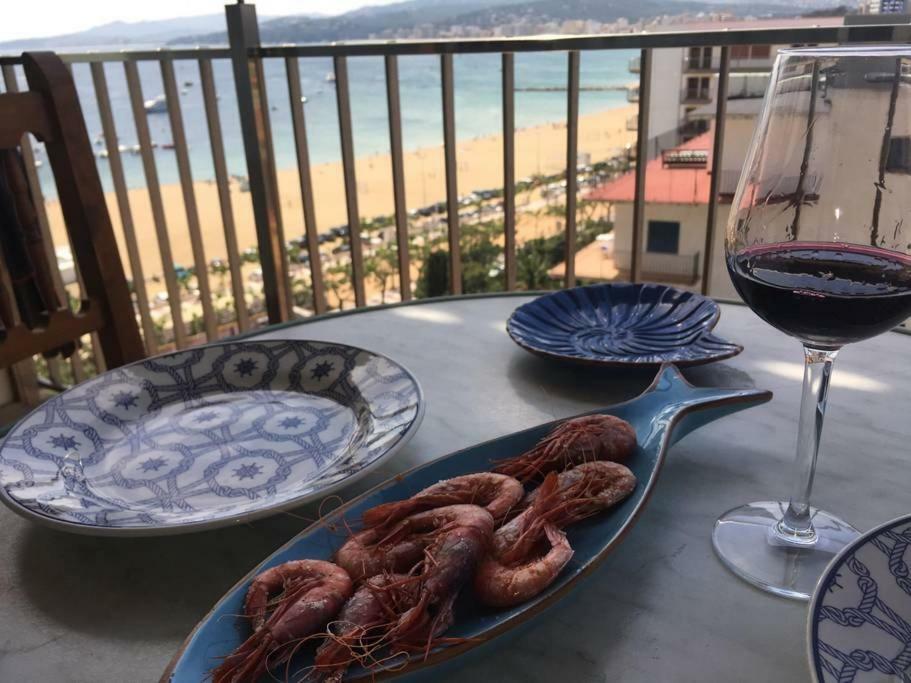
(621, 324)
(859, 628)
(207, 437)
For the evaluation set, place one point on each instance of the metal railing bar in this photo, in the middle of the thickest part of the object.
(509, 168)
(132, 55)
(898, 33)
(210, 102)
(102, 97)
(347, 143)
(299, 124)
(185, 173)
(398, 175)
(77, 367)
(645, 78)
(721, 100)
(259, 153)
(572, 147)
(452, 188)
(617, 41)
(134, 89)
(101, 364)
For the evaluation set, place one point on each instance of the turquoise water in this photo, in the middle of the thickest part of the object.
(477, 93)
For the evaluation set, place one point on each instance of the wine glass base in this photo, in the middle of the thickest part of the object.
(746, 542)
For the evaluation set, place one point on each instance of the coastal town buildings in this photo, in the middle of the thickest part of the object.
(682, 107)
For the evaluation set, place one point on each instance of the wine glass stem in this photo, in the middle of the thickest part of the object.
(797, 527)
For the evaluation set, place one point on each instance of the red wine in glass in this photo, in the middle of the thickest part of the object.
(824, 293)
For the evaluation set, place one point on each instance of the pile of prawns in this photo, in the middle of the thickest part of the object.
(391, 588)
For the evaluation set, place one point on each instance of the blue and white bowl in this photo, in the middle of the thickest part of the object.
(859, 627)
(207, 437)
(621, 324)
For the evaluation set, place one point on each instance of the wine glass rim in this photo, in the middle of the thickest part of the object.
(872, 50)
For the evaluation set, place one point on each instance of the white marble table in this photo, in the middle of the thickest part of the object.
(662, 608)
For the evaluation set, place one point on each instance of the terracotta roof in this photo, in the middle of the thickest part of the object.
(663, 185)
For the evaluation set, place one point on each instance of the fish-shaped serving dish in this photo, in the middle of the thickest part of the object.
(668, 410)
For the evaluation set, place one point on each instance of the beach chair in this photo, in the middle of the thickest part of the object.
(34, 312)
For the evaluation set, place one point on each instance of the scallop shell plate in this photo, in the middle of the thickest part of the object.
(622, 324)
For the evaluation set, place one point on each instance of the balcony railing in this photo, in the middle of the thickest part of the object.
(657, 267)
(282, 265)
(700, 96)
(632, 93)
(635, 65)
(698, 64)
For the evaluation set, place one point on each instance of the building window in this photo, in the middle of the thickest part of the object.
(899, 159)
(699, 58)
(697, 88)
(751, 51)
(663, 237)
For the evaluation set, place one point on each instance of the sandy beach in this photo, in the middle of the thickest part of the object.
(541, 149)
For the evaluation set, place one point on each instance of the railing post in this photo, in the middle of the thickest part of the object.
(572, 144)
(645, 84)
(253, 106)
(721, 97)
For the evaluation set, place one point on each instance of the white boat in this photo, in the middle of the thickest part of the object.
(330, 77)
(303, 99)
(157, 105)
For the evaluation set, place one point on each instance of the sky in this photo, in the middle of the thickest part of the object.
(39, 18)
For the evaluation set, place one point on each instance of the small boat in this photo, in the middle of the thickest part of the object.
(167, 145)
(135, 149)
(303, 99)
(330, 77)
(156, 105)
(188, 84)
(102, 154)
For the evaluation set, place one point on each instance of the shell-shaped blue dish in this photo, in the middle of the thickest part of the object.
(621, 324)
(668, 410)
(859, 627)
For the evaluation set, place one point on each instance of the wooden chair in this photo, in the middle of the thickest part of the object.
(34, 319)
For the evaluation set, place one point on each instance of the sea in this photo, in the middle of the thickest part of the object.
(478, 107)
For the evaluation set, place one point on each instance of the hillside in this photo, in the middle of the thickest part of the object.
(440, 16)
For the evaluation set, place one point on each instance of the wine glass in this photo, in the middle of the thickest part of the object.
(817, 244)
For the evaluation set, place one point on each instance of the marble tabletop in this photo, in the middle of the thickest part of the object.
(661, 608)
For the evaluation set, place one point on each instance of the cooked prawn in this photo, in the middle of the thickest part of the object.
(586, 490)
(373, 551)
(313, 593)
(361, 629)
(496, 493)
(499, 585)
(515, 570)
(582, 439)
(399, 613)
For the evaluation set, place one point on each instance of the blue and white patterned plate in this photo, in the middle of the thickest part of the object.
(621, 324)
(859, 628)
(207, 437)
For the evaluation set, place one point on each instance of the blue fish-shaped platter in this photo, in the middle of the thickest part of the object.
(621, 324)
(668, 410)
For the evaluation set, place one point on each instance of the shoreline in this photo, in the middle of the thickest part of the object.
(538, 149)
